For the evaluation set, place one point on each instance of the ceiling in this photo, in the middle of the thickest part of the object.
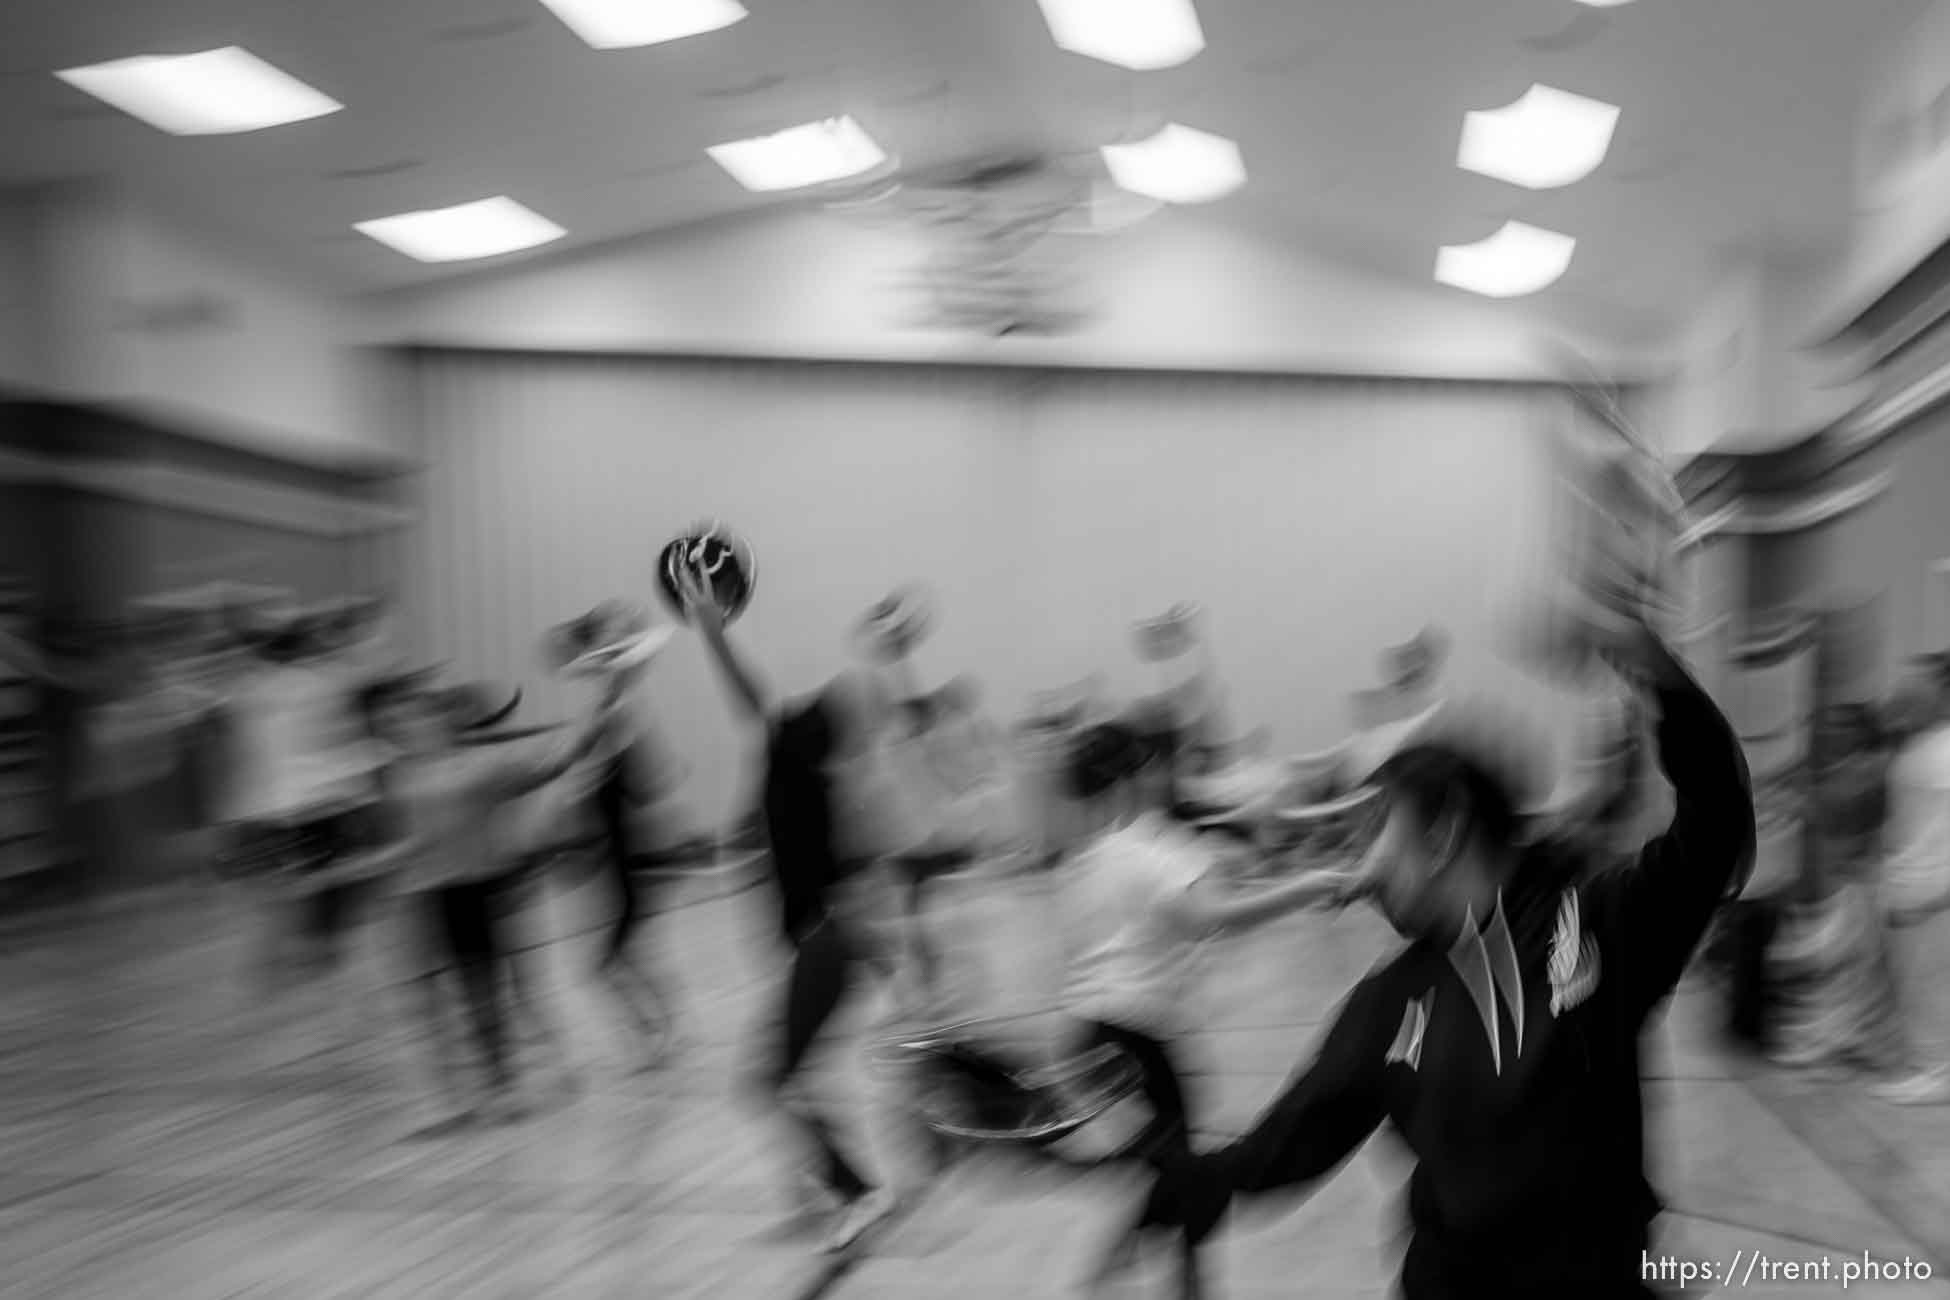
(1737, 125)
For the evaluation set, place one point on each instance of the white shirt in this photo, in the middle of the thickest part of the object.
(962, 789)
(295, 744)
(462, 810)
(1916, 835)
(880, 807)
(1130, 965)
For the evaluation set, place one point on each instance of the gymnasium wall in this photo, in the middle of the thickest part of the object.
(1185, 289)
(1317, 520)
(106, 300)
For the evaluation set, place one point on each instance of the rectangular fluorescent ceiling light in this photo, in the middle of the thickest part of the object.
(1142, 35)
(1515, 261)
(1544, 141)
(217, 92)
(465, 232)
(627, 24)
(814, 154)
(1177, 165)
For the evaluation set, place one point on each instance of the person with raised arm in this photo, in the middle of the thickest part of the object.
(453, 801)
(828, 816)
(1501, 1046)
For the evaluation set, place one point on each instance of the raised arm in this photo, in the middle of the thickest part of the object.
(1325, 1114)
(748, 693)
(1660, 909)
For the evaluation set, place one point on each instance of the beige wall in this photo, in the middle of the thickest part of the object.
(99, 302)
(278, 372)
(1317, 521)
(1184, 289)
(1903, 186)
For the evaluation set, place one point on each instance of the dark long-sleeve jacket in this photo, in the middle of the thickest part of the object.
(1530, 1147)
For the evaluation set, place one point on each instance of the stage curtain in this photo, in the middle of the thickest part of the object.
(1318, 520)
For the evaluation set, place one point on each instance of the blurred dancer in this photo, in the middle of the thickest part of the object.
(963, 785)
(1503, 1043)
(1146, 895)
(827, 816)
(1914, 883)
(458, 853)
(132, 736)
(617, 785)
(299, 781)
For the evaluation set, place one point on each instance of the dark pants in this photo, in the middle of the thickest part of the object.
(825, 963)
(331, 913)
(620, 858)
(1429, 1273)
(1750, 930)
(328, 914)
(323, 914)
(1166, 1141)
(467, 923)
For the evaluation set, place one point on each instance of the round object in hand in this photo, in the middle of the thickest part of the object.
(723, 558)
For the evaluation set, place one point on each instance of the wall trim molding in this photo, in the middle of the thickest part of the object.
(1627, 378)
(202, 428)
(210, 495)
(280, 446)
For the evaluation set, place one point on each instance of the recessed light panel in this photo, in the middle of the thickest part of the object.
(628, 24)
(1178, 165)
(1546, 140)
(1143, 35)
(817, 153)
(465, 232)
(217, 92)
(1515, 261)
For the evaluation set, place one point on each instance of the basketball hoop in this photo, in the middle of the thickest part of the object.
(999, 244)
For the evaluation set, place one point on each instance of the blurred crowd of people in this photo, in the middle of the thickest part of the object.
(287, 751)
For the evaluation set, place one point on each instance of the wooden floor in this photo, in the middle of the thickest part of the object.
(168, 1132)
